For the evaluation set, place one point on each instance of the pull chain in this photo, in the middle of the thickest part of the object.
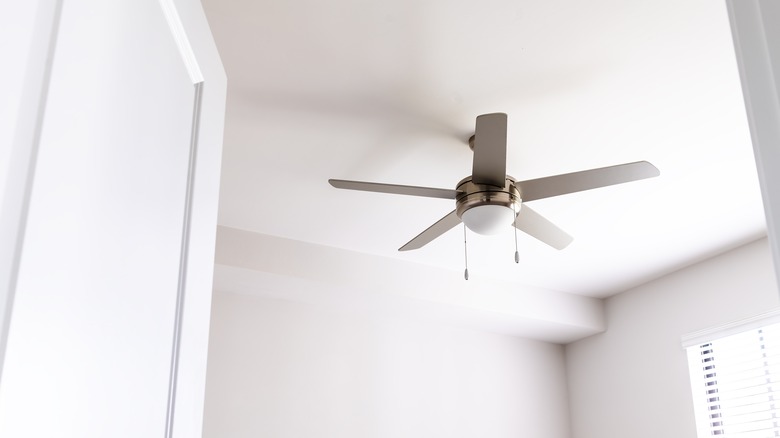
(517, 254)
(465, 254)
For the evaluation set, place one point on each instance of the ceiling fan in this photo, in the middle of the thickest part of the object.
(489, 199)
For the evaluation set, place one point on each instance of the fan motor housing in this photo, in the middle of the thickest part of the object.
(472, 195)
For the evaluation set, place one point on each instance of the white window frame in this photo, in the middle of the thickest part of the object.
(692, 341)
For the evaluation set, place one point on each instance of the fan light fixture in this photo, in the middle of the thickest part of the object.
(488, 219)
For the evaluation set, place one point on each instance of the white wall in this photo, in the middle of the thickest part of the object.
(284, 369)
(632, 380)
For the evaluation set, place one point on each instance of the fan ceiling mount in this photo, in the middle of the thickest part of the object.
(489, 199)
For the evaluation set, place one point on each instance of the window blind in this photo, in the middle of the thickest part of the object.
(736, 384)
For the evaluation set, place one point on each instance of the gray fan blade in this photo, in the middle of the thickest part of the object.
(427, 192)
(490, 150)
(585, 180)
(442, 226)
(535, 225)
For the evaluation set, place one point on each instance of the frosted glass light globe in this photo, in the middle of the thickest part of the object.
(488, 219)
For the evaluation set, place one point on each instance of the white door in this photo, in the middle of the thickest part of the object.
(109, 216)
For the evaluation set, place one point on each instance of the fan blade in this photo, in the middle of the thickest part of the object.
(442, 226)
(427, 192)
(535, 225)
(585, 180)
(490, 150)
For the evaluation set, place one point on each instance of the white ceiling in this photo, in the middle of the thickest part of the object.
(389, 92)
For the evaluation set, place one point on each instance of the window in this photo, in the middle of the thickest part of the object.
(735, 381)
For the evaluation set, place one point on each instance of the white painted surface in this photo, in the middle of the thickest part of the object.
(193, 348)
(633, 379)
(282, 369)
(91, 335)
(757, 42)
(98, 275)
(17, 24)
(389, 92)
(256, 264)
(26, 45)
